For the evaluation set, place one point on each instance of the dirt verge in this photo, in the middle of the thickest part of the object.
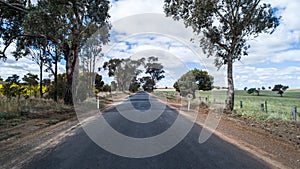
(275, 142)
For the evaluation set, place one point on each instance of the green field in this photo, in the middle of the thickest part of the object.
(277, 107)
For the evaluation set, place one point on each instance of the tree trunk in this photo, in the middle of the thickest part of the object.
(55, 78)
(41, 78)
(230, 95)
(71, 56)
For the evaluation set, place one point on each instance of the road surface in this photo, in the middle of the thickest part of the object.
(79, 151)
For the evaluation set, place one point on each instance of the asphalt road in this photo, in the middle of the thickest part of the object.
(79, 151)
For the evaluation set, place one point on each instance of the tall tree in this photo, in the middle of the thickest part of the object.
(203, 79)
(134, 85)
(113, 66)
(99, 82)
(53, 57)
(156, 72)
(12, 14)
(89, 55)
(69, 23)
(148, 83)
(124, 70)
(35, 53)
(226, 25)
(194, 80)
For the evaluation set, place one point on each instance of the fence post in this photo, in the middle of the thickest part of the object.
(241, 104)
(98, 102)
(266, 106)
(189, 98)
(262, 107)
(295, 113)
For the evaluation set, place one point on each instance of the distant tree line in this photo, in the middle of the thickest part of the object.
(279, 88)
(126, 73)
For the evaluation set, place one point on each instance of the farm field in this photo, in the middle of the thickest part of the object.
(274, 106)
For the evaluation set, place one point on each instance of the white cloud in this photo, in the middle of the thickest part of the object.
(258, 77)
(266, 64)
(124, 8)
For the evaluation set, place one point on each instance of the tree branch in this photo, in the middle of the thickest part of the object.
(13, 6)
(2, 53)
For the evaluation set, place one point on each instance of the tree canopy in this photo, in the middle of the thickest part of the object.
(280, 89)
(66, 23)
(194, 80)
(155, 71)
(226, 25)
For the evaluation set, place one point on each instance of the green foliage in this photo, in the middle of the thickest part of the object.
(46, 82)
(194, 80)
(113, 86)
(277, 107)
(12, 88)
(124, 71)
(32, 81)
(11, 18)
(280, 89)
(155, 71)
(252, 91)
(60, 88)
(237, 21)
(69, 24)
(148, 83)
(134, 85)
(106, 88)
(226, 26)
(99, 83)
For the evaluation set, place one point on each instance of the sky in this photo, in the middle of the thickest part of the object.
(140, 29)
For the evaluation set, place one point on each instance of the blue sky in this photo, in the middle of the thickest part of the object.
(272, 59)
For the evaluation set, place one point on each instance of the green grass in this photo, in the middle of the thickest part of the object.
(170, 95)
(277, 107)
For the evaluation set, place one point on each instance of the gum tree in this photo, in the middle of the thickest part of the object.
(226, 25)
(68, 24)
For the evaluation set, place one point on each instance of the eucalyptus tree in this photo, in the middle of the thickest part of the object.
(194, 80)
(155, 71)
(124, 71)
(89, 56)
(12, 14)
(68, 24)
(226, 26)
